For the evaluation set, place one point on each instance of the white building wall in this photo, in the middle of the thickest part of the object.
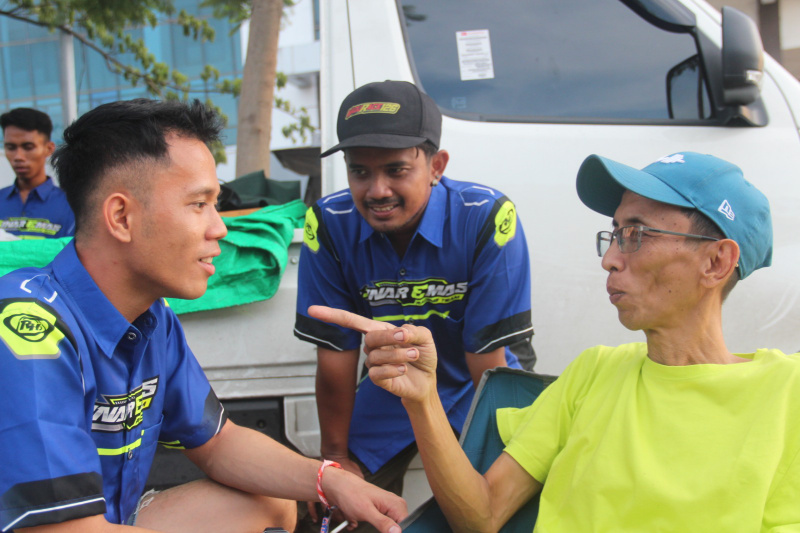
(790, 24)
(298, 58)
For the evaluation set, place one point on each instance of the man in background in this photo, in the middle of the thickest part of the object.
(33, 207)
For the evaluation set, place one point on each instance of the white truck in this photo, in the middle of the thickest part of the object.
(529, 88)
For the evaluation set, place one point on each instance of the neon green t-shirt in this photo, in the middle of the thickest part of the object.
(625, 444)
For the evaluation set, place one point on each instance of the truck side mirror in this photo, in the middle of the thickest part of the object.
(686, 97)
(742, 58)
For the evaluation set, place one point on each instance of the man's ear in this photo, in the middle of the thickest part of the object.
(439, 163)
(722, 261)
(119, 213)
(50, 147)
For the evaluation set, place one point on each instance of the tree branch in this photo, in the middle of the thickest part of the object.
(153, 86)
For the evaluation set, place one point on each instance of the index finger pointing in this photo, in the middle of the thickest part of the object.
(347, 319)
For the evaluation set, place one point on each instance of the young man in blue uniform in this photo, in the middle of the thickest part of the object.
(406, 244)
(32, 208)
(94, 366)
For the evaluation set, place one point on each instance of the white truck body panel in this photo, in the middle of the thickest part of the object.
(535, 165)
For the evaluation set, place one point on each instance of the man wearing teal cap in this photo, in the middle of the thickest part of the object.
(675, 434)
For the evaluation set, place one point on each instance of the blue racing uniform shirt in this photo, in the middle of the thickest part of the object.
(465, 276)
(86, 396)
(45, 213)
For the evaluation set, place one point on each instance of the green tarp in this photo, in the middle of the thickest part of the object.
(255, 190)
(254, 256)
(29, 252)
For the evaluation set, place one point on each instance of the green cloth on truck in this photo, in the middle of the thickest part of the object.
(254, 256)
(29, 253)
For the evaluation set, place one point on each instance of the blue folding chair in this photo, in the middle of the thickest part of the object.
(500, 387)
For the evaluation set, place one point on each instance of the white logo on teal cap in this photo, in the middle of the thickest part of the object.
(726, 209)
(675, 158)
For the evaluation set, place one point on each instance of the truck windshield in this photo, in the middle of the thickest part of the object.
(550, 60)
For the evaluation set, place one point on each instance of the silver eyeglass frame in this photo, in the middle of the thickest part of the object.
(606, 238)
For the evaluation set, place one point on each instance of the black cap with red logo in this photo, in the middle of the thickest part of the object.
(387, 114)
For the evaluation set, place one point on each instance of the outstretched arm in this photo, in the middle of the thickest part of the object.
(478, 363)
(336, 394)
(403, 361)
(252, 462)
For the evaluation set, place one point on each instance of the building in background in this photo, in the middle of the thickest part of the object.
(31, 73)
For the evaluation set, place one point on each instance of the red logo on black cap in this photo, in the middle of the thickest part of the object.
(389, 108)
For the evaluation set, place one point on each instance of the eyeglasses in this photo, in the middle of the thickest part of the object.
(629, 238)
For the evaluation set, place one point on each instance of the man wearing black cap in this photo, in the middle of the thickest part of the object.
(675, 434)
(406, 244)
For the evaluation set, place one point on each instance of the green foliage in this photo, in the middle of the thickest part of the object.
(300, 128)
(103, 26)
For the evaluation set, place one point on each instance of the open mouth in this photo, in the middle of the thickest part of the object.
(206, 263)
(383, 208)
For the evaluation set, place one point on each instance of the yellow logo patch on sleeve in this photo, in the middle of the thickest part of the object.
(505, 223)
(310, 231)
(29, 331)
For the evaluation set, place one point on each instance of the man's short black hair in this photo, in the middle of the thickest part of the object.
(428, 148)
(27, 119)
(121, 133)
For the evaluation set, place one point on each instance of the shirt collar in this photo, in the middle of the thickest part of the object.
(11, 191)
(431, 227)
(43, 190)
(105, 323)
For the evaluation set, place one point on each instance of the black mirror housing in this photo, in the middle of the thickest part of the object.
(742, 58)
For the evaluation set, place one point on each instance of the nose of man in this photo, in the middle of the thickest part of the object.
(612, 259)
(379, 188)
(217, 229)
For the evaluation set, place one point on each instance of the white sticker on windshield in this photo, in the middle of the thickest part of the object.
(474, 55)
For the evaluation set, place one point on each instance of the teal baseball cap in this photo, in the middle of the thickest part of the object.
(711, 185)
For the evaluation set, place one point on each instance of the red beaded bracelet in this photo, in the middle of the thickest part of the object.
(322, 468)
